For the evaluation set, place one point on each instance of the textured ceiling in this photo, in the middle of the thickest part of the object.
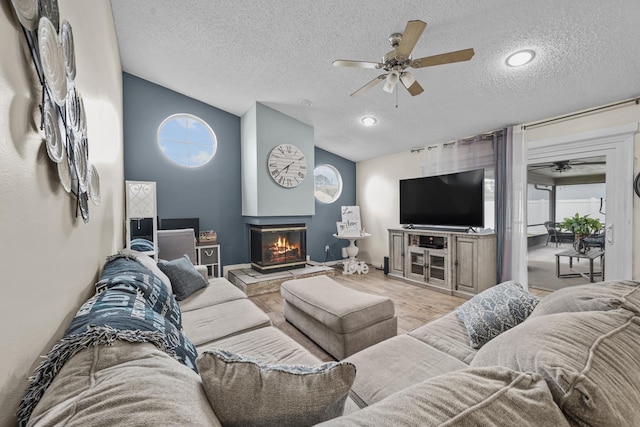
(231, 54)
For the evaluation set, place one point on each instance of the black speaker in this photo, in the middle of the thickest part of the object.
(386, 265)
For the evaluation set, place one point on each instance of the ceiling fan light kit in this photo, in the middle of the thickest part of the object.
(399, 59)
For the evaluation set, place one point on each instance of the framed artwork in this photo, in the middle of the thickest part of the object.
(342, 227)
(351, 217)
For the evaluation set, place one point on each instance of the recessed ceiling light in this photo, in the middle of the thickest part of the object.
(520, 58)
(368, 120)
(306, 102)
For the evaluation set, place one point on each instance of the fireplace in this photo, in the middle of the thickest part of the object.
(278, 247)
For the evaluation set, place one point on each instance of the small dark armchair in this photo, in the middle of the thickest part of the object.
(554, 234)
(595, 240)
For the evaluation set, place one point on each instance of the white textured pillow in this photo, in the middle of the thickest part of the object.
(243, 391)
(149, 263)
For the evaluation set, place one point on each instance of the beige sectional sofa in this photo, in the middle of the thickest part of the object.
(574, 361)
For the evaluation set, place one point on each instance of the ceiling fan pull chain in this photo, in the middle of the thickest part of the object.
(396, 96)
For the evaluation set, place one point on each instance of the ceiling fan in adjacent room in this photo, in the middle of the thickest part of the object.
(396, 62)
(565, 165)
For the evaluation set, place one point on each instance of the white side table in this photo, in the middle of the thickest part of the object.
(352, 265)
(209, 255)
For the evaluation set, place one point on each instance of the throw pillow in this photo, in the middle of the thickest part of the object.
(148, 262)
(243, 391)
(589, 360)
(602, 296)
(491, 312)
(493, 396)
(184, 277)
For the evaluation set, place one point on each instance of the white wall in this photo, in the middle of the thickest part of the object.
(377, 194)
(49, 259)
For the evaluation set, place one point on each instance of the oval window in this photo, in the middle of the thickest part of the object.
(187, 140)
(327, 183)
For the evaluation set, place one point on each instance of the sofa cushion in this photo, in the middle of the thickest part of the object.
(495, 310)
(472, 397)
(589, 360)
(396, 364)
(601, 296)
(185, 279)
(215, 322)
(243, 391)
(218, 291)
(269, 345)
(150, 263)
(124, 384)
(446, 334)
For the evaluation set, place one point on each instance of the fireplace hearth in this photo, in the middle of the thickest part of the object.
(278, 247)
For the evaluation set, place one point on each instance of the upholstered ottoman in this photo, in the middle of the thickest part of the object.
(341, 320)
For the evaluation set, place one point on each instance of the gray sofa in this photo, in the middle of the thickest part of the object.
(574, 361)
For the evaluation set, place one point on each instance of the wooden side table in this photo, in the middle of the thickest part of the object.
(209, 255)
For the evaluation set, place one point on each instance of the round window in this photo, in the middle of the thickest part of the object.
(187, 140)
(327, 183)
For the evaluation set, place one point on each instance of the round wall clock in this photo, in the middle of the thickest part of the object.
(287, 165)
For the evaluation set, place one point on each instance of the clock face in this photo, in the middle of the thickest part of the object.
(287, 165)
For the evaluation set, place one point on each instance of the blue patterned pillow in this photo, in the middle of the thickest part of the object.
(491, 312)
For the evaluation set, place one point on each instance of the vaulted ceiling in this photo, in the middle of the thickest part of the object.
(231, 54)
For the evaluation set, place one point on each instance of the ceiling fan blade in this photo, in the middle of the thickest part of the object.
(443, 58)
(412, 33)
(369, 85)
(412, 85)
(357, 64)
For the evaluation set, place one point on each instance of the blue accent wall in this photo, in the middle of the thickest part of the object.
(322, 226)
(213, 192)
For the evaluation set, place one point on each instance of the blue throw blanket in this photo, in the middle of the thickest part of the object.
(130, 304)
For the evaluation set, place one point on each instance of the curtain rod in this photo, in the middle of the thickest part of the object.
(580, 113)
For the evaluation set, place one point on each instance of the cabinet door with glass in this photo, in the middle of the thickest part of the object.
(427, 265)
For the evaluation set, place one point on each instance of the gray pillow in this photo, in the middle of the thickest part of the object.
(184, 277)
(603, 296)
(491, 312)
(589, 360)
(493, 396)
(245, 392)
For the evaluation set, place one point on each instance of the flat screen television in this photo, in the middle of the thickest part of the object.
(454, 200)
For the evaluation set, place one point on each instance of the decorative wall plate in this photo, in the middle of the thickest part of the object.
(52, 60)
(82, 118)
(27, 12)
(49, 9)
(83, 203)
(66, 38)
(81, 161)
(73, 109)
(55, 144)
(94, 185)
(64, 173)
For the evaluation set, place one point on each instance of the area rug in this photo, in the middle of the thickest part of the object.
(542, 275)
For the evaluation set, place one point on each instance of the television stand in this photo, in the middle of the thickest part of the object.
(458, 262)
(438, 228)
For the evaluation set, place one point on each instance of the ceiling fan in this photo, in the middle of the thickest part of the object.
(399, 59)
(565, 165)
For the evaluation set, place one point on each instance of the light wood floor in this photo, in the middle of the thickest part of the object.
(414, 305)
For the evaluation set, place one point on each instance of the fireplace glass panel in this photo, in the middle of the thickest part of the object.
(278, 247)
